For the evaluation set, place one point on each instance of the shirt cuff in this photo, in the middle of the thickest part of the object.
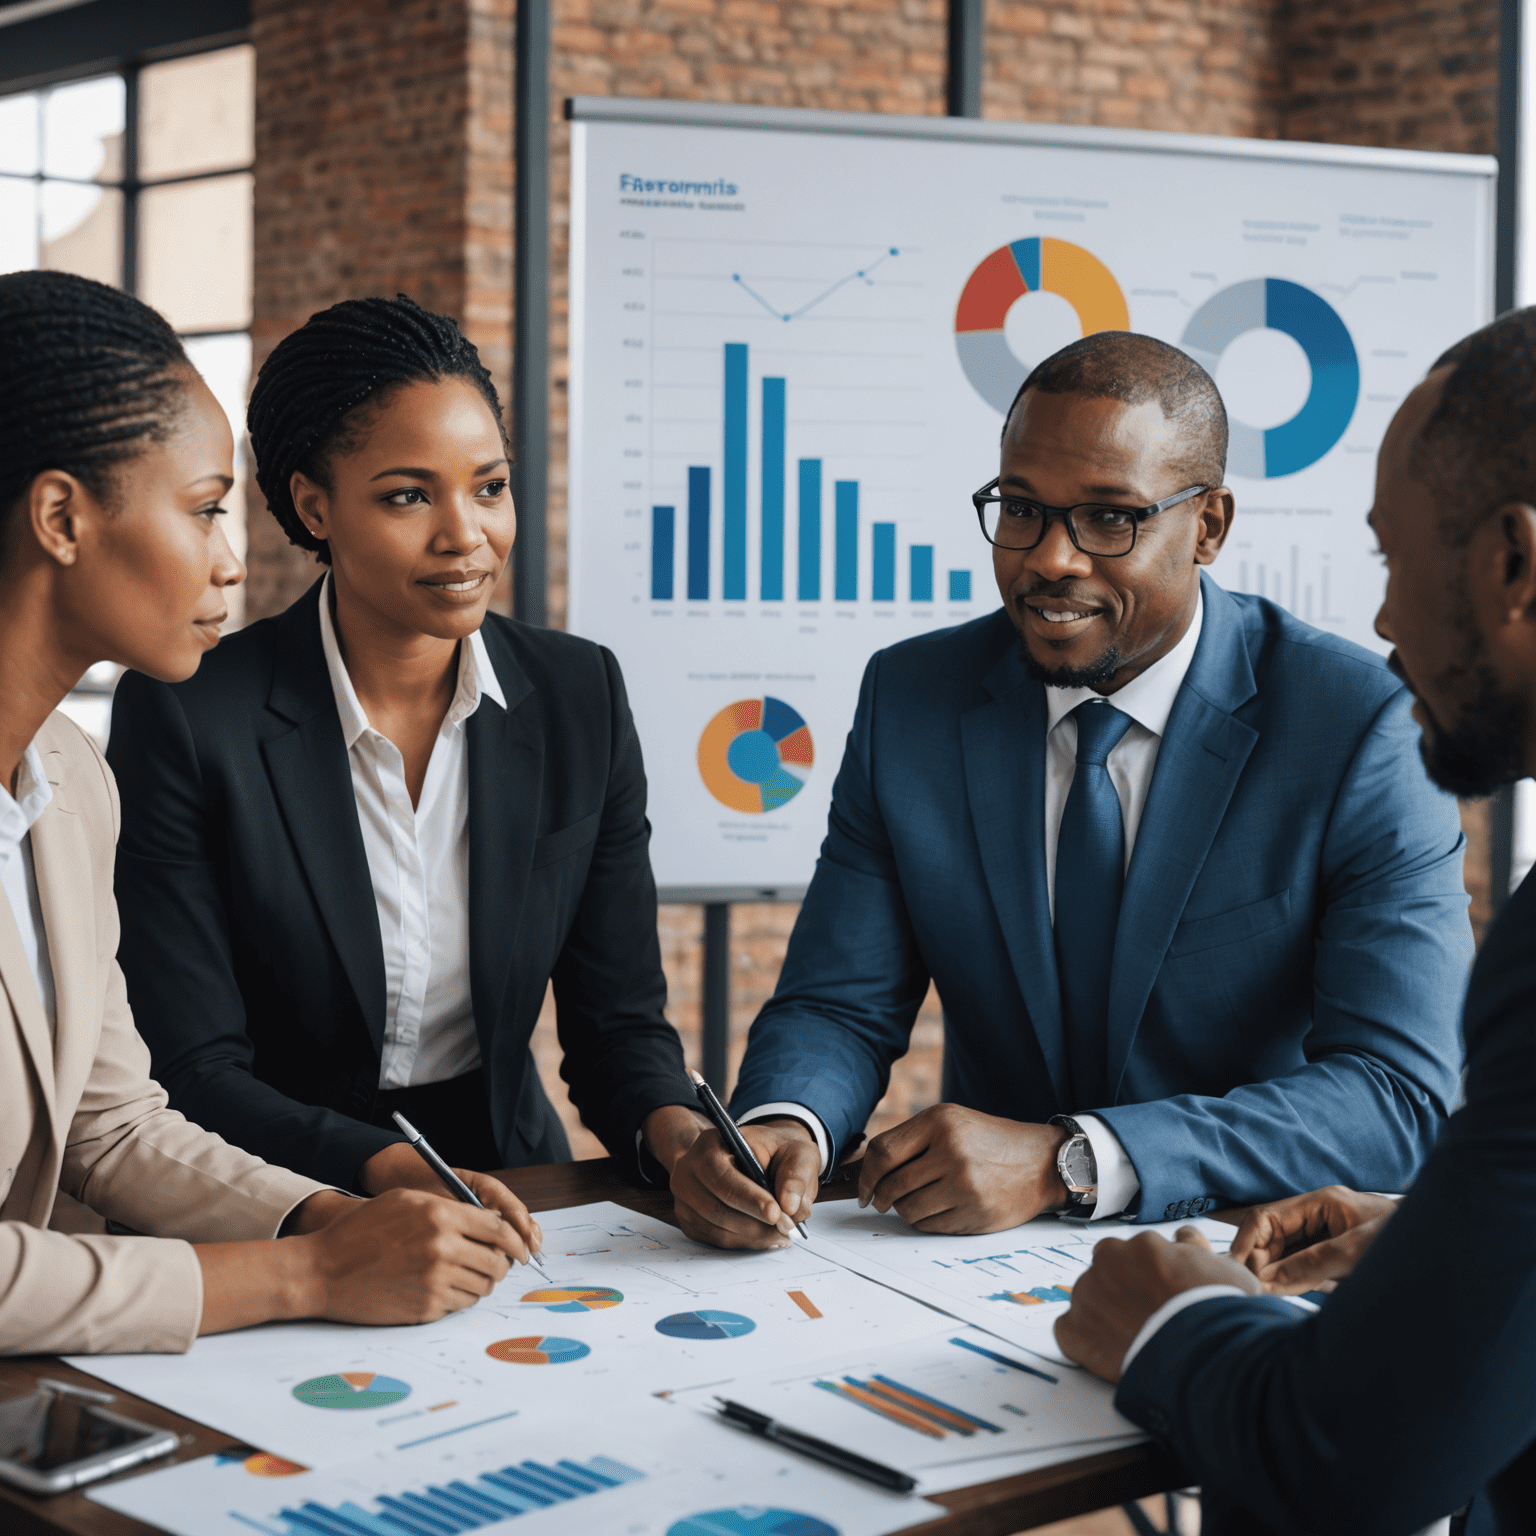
(1171, 1309)
(1118, 1184)
(806, 1117)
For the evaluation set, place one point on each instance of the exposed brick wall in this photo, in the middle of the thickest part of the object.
(383, 166)
(1421, 76)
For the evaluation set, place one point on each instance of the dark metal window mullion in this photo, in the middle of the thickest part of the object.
(131, 181)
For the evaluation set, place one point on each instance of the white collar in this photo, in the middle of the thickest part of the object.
(19, 812)
(477, 677)
(1147, 698)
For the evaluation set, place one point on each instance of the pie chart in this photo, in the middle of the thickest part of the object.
(537, 1349)
(1276, 304)
(575, 1298)
(1037, 265)
(705, 1325)
(755, 754)
(351, 1389)
(750, 1520)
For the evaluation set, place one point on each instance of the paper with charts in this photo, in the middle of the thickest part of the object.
(633, 1308)
(654, 1470)
(1014, 1284)
(938, 1406)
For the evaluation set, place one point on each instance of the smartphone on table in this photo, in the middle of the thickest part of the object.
(60, 1436)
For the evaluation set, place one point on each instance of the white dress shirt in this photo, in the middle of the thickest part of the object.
(18, 815)
(1148, 700)
(418, 859)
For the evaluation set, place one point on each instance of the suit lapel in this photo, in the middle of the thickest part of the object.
(27, 1009)
(1004, 747)
(505, 748)
(61, 860)
(312, 780)
(1203, 754)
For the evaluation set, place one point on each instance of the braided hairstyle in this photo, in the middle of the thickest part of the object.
(90, 375)
(325, 382)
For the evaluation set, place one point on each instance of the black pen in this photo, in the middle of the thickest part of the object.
(819, 1450)
(456, 1186)
(746, 1159)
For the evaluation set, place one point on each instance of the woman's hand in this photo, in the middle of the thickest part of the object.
(400, 1166)
(1311, 1241)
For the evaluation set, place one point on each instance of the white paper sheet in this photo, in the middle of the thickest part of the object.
(1014, 1284)
(663, 1471)
(644, 1310)
(958, 1396)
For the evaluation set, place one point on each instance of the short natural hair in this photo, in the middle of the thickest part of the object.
(1478, 448)
(316, 392)
(91, 375)
(1122, 365)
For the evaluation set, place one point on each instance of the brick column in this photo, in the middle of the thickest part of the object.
(383, 166)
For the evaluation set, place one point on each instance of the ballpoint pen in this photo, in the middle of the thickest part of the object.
(456, 1186)
(746, 1159)
(820, 1450)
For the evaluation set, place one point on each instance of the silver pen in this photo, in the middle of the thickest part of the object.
(456, 1186)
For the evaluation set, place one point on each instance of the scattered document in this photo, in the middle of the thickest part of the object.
(1014, 1284)
(632, 1308)
(655, 1470)
(938, 1406)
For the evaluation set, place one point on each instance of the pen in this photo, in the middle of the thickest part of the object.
(746, 1160)
(456, 1186)
(820, 1450)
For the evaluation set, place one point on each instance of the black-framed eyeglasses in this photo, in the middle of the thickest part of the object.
(1016, 522)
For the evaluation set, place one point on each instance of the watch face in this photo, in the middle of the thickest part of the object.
(1077, 1169)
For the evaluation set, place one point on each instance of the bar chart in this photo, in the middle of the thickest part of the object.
(728, 520)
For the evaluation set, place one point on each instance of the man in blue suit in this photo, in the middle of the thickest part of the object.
(1195, 916)
(1412, 1388)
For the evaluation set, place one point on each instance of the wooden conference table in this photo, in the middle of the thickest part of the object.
(988, 1509)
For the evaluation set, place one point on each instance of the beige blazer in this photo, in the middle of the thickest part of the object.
(80, 1115)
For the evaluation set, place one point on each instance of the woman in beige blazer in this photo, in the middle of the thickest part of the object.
(113, 458)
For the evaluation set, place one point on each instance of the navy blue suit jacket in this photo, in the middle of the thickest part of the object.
(1292, 942)
(1416, 1384)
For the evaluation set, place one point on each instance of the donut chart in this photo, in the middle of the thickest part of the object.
(1037, 265)
(1275, 303)
(755, 754)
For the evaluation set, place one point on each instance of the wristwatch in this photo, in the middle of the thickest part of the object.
(1078, 1169)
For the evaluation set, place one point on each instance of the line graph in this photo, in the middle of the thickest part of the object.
(863, 275)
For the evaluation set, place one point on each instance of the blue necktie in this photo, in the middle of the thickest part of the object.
(1090, 870)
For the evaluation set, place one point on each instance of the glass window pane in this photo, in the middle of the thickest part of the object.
(195, 252)
(197, 114)
(83, 130)
(225, 362)
(18, 134)
(82, 231)
(18, 225)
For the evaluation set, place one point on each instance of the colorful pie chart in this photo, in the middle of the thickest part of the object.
(351, 1389)
(751, 1520)
(705, 1325)
(1273, 303)
(575, 1298)
(1037, 265)
(538, 1349)
(755, 755)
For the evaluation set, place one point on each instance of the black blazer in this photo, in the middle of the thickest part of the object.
(250, 938)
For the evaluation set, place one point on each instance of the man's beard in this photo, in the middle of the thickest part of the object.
(1484, 751)
(1095, 675)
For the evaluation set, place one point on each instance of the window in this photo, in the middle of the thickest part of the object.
(143, 179)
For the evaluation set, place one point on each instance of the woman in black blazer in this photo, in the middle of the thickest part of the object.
(362, 840)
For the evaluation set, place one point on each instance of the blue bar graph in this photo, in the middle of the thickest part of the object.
(733, 583)
(883, 571)
(922, 573)
(959, 586)
(459, 1505)
(698, 534)
(662, 520)
(773, 491)
(845, 559)
(810, 531)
